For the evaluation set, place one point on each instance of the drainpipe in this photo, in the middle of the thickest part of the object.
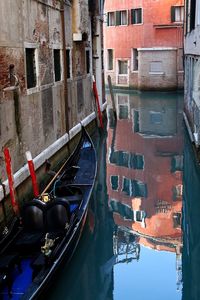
(62, 13)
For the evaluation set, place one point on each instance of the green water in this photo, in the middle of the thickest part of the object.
(132, 246)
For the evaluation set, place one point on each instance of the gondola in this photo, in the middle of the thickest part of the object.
(49, 228)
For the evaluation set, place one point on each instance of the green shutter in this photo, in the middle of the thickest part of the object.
(132, 16)
(139, 15)
(173, 14)
(118, 18)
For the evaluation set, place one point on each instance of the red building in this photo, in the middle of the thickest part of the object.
(144, 43)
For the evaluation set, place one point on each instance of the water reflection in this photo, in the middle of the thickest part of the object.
(144, 176)
(131, 247)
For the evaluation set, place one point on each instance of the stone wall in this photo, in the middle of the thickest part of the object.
(33, 118)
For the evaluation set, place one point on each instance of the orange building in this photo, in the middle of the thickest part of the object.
(143, 44)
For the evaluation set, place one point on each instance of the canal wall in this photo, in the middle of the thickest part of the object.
(47, 64)
(55, 154)
(191, 223)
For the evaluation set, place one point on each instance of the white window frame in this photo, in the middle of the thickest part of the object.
(109, 18)
(136, 9)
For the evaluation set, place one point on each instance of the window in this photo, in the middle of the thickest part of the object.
(57, 68)
(121, 17)
(68, 63)
(134, 59)
(30, 68)
(192, 14)
(123, 67)
(156, 67)
(87, 58)
(114, 182)
(111, 19)
(136, 16)
(134, 188)
(177, 13)
(110, 59)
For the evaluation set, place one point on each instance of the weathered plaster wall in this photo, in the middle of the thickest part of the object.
(167, 78)
(32, 119)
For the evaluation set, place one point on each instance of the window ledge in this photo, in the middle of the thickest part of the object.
(156, 73)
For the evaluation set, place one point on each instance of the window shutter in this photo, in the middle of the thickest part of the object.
(108, 15)
(172, 14)
(118, 20)
(139, 15)
(132, 16)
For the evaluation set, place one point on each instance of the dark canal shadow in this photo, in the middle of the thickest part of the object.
(191, 224)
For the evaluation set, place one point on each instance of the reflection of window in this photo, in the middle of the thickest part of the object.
(177, 220)
(137, 161)
(123, 67)
(121, 17)
(136, 125)
(177, 13)
(177, 192)
(114, 182)
(30, 68)
(134, 188)
(139, 215)
(124, 210)
(128, 160)
(177, 163)
(123, 112)
(111, 19)
(136, 16)
(110, 59)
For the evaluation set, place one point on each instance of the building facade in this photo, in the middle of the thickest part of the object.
(144, 43)
(48, 52)
(192, 69)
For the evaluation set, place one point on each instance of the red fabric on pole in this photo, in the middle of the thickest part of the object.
(33, 178)
(97, 101)
(10, 180)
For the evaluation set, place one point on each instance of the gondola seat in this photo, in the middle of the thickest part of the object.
(33, 221)
(71, 194)
(57, 217)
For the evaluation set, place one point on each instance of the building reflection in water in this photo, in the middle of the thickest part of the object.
(144, 173)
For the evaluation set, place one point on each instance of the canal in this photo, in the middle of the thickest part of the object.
(141, 240)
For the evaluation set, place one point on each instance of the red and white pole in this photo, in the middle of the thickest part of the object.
(11, 180)
(97, 101)
(32, 173)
